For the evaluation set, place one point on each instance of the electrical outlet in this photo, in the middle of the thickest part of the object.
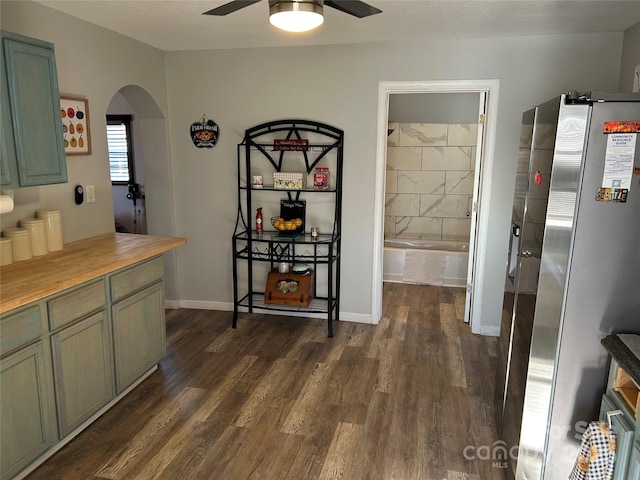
(636, 80)
(91, 194)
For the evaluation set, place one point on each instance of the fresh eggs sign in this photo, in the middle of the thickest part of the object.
(204, 133)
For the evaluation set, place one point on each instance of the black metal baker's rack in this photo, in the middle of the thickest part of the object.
(271, 246)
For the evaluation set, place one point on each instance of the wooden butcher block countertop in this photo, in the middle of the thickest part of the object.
(30, 280)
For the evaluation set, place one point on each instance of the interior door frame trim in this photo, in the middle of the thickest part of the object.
(386, 88)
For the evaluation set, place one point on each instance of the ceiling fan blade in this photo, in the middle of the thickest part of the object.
(230, 7)
(353, 7)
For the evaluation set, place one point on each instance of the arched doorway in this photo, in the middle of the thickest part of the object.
(151, 149)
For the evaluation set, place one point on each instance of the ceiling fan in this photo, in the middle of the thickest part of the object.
(299, 15)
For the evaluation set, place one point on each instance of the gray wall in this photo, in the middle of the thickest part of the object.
(339, 85)
(630, 58)
(95, 63)
(241, 88)
(434, 108)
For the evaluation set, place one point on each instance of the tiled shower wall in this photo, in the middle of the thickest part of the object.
(429, 186)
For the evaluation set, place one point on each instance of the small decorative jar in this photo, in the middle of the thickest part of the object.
(321, 178)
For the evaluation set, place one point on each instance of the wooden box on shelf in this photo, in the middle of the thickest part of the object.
(289, 288)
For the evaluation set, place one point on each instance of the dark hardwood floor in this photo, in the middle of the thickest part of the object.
(408, 399)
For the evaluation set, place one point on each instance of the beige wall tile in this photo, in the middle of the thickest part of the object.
(427, 134)
(446, 158)
(419, 227)
(456, 229)
(421, 182)
(459, 182)
(389, 226)
(404, 158)
(402, 204)
(392, 182)
(465, 134)
(452, 206)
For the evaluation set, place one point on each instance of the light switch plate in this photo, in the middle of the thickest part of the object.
(636, 79)
(91, 194)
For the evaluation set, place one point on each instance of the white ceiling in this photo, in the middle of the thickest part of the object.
(179, 24)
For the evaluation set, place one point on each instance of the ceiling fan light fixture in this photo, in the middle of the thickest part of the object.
(294, 16)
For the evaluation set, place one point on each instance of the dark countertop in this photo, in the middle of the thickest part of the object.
(625, 349)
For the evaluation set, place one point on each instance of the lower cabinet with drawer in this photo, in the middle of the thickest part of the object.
(65, 358)
(138, 334)
(82, 369)
(81, 353)
(137, 314)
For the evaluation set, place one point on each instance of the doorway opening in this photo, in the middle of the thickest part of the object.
(441, 210)
(126, 168)
(152, 166)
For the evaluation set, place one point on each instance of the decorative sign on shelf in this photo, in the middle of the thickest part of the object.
(291, 144)
(74, 114)
(204, 133)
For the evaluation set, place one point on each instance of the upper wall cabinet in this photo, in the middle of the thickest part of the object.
(33, 153)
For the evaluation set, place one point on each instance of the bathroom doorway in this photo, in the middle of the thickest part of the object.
(456, 203)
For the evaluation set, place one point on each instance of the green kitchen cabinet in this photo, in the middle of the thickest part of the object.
(27, 418)
(8, 168)
(34, 151)
(70, 356)
(82, 370)
(81, 352)
(137, 314)
(624, 428)
(621, 402)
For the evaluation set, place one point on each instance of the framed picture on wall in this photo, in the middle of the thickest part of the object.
(74, 114)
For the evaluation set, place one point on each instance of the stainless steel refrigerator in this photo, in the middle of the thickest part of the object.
(573, 274)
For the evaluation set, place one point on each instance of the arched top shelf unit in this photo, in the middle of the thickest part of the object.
(282, 148)
(270, 140)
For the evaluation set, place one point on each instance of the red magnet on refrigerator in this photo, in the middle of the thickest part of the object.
(538, 177)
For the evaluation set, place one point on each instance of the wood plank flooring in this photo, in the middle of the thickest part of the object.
(277, 399)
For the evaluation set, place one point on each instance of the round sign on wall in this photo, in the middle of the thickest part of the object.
(204, 133)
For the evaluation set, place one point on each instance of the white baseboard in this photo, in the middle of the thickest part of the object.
(228, 307)
(488, 331)
(171, 304)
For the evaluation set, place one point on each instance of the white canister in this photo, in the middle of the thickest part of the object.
(6, 254)
(20, 243)
(53, 225)
(38, 235)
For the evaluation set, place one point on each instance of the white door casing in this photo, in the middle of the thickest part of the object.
(482, 117)
(489, 90)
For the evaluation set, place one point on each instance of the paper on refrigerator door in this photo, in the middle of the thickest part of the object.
(618, 161)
